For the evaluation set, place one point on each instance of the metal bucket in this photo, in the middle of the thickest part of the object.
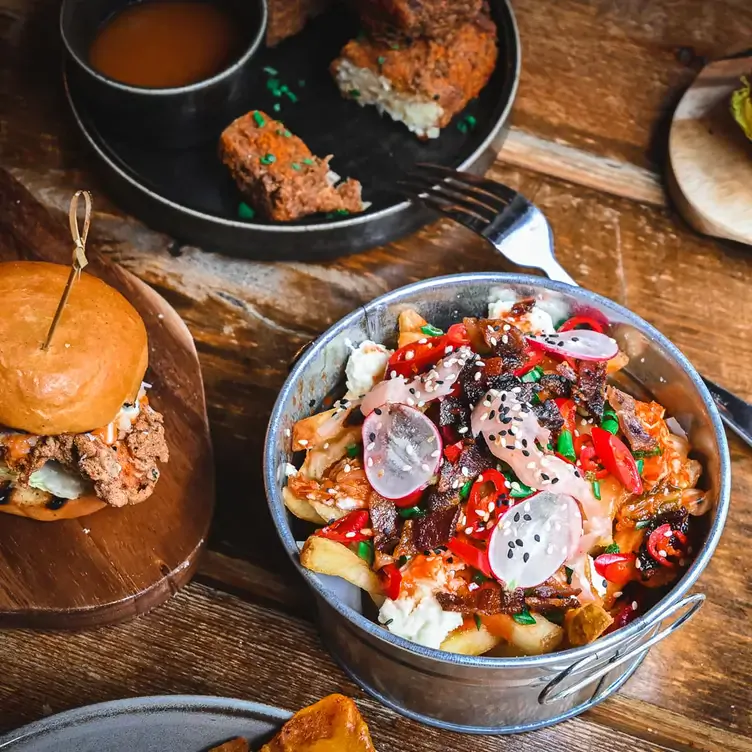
(497, 695)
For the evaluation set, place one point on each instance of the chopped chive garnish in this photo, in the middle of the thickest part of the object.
(462, 126)
(532, 376)
(649, 453)
(410, 513)
(295, 166)
(479, 578)
(640, 466)
(354, 93)
(365, 551)
(267, 159)
(308, 161)
(276, 107)
(597, 489)
(353, 450)
(465, 490)
(245, 211)
(394, 46)
(612, 549)
(471, 121)
(381, 60)
(431, 331)
(565, 446)
(259, 119)
(402, 561)
(478, 622)
(292, 97)
(286, 133)
(524, 618)
(271, 71)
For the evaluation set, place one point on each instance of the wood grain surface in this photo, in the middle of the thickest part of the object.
(117, 563)
(600, 80)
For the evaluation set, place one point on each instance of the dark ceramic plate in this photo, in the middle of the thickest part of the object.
(188, 193)
(179, 723)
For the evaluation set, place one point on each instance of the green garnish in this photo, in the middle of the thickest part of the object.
(410, 513)
(466, 124)
(276, 107)
(308, 161)
(569, 572)
(353, 451)
(292, 97)
(741, 107)
(565, 446)
(519, 490)
(524, 618)
(274, 86)
(642, 524)
(596, 489)
(431, 331)
(271, 71)
(259, 119)
(532, 376)
(354, 93)
(478, 622)
(462, 126)
(267, 159)
(245, 211)
(640, 466)
(295, 166)
(612, 549)
(465, 490)
(612, 426)
(365, 551)
(479, 578)
(557, 617)
(402, 561)
(394, 46)
(638, 455)
(381, 60)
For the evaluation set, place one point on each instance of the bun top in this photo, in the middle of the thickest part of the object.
(95, 362)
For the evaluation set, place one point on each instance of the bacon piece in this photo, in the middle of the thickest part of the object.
(624, 406)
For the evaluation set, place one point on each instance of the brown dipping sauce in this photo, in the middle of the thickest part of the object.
(166, 43)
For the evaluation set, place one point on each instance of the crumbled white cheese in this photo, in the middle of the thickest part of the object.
(536, 321)
(290, 470)
(365, 367)
(419, 619)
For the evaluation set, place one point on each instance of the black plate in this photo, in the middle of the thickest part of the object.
(189, 194)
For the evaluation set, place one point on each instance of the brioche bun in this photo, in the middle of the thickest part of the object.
(33, 503)
(95, 362)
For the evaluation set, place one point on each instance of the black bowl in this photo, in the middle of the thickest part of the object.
(171, 117)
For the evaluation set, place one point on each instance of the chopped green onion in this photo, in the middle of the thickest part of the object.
(465, 490)
(640, 466)
(402, 561)
(597, 489)
(295, 166)
(612, 426)
(354, 93)
(381, 60)
(409, 513)
(271, 71)
(519, 490)
(471, 121)
(565, 446)
(479, 578)
(462, 126)
(649, 453)
(267, 159)
(259, 119)
(308, 161)
(353, 450)
(365, 551)
(612, 549)
(642, 524)
(274, 86)
(431, 331)
(569, 572)
(532, 375)
(478, 622)
(276, 107)
(394, 46)
(292, 97)
(245, 211)
(524, 618)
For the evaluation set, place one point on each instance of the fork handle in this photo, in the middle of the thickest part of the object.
(555, 271)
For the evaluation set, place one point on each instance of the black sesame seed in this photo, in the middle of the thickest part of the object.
(525, 557)
(378, 411)
(450, 560)
(519, 543)
(524, 442)
(554, 480)
(536, 538)
(544, 476)
(492, 415)
(506, 421)
(525, 453)
(510, 555)
(527, 517)
(491, 437)
(511, 544)
(503, 433)
(504, 397)
(517, 517)
(311, 402)
(575, 339)
(372, 436)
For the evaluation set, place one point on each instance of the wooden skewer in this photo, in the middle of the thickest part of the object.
(79, 256)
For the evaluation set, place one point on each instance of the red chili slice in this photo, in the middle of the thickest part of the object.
(583, 447)
(457, 335)
(582, 322)
(625, 614)
(453, 451)
(617, 568)
(534, 357)
(661, 545)
(617, 459)
(416, 357)
(391, 579)
(567, 410)
(477, 512)
(471, 555)
(410, 500)
(347, 529)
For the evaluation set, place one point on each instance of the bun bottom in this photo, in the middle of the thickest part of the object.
(70, 510)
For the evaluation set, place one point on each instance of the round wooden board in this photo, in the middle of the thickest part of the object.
(117, 563)
(710, 159)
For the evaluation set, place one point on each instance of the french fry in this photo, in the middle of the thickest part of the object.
(326, 512)
(470, 641)
(301, 508)
(329, 557)
(319, 459)
(525, 639)
(586, 624)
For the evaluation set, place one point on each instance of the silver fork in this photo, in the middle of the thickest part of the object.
(519, 231)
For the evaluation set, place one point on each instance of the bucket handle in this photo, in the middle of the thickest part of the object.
(691, 603)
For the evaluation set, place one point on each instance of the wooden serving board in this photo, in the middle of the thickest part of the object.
(116, 563)
(710, 175)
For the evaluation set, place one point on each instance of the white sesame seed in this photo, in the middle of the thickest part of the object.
(634, 605)
(347, 468)
(288, 432)
(351, 534)
(491, 507)
(393, 374)
(468, 530)
(406, 468)
(668, 533)
(462, 430)
(638, 564)
(422, 341)
(371, 446)
(331, 491)
(303, 442)
(662, 554)
(369, 462)
(455, 483)
(326, 445)
(425, 468)
(436, 453)
(409, 355)
(618, 594)
(493, 341)
(465, 471)
(473, 586)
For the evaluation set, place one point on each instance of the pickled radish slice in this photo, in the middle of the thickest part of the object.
(580, 344)
(534, 538)
(437, 382)
(401, 450)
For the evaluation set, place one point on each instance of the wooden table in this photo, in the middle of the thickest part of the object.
(600, 78)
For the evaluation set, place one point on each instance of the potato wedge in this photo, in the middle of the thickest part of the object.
(470, 641)
(326, 512)
(329, 557)
(535, 639)
(301, 508)
(586, 624)
(320, 458)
